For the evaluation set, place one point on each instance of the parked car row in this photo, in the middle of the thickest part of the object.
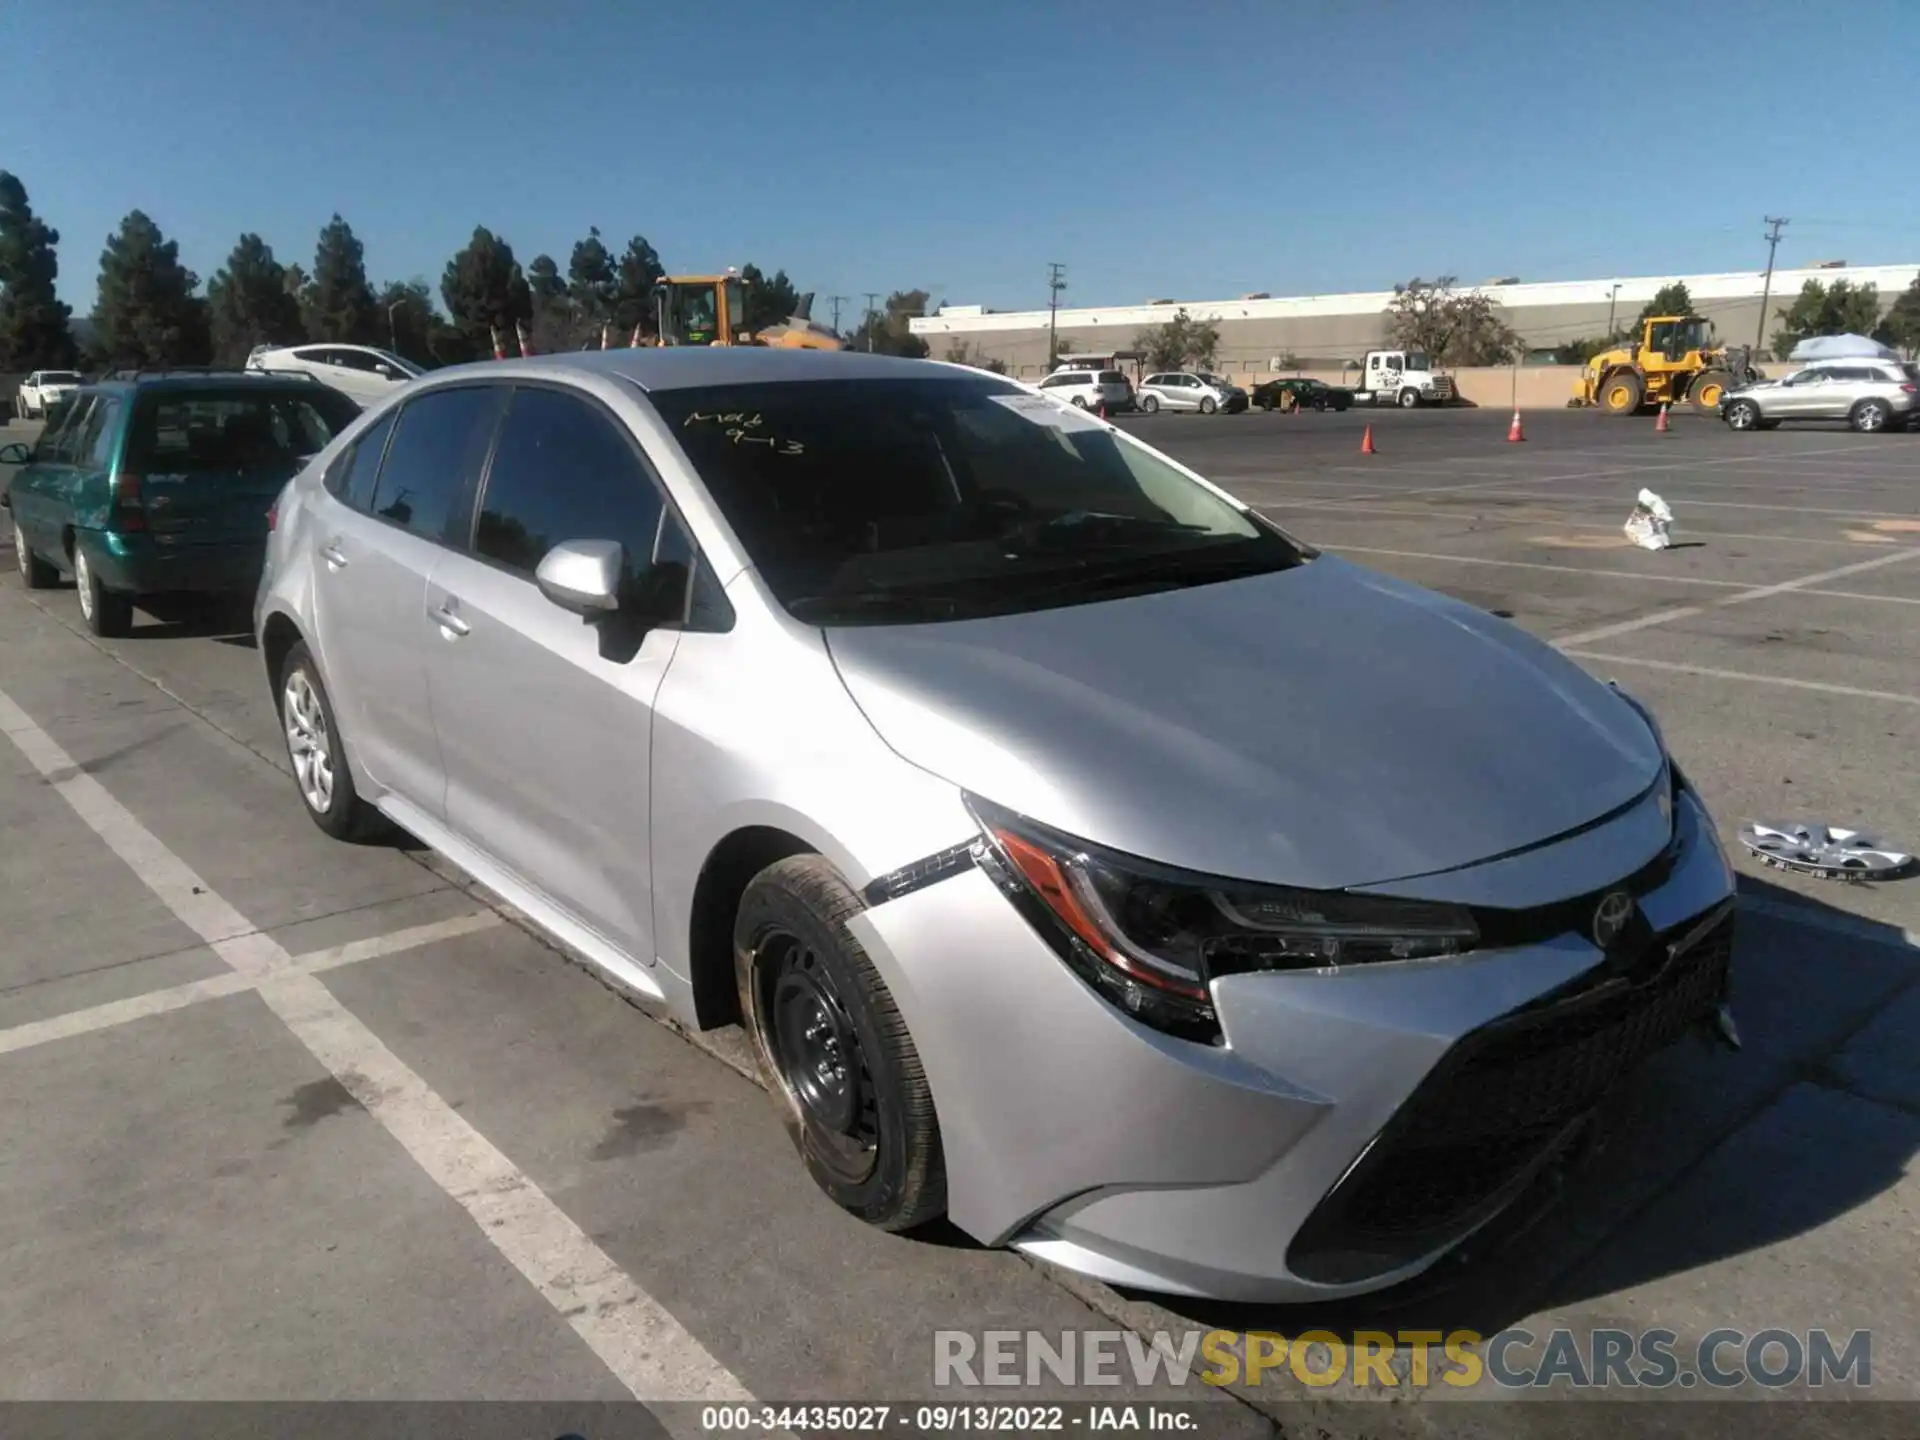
(1042, 815)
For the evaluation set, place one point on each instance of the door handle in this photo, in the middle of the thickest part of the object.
(330, 552)
(449, 621)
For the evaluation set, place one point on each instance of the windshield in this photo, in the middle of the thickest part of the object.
(1690, 335)
(59, 377)
(186, 432)
(898, 501)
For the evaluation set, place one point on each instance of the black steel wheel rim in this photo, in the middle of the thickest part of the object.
(817, 1051)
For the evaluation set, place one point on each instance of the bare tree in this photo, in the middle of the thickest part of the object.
(1182, 341)
(1454, 327)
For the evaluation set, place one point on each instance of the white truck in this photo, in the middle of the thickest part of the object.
(41, 391)
(1401, 377)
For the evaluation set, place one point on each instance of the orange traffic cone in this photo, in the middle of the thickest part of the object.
(1514, 432)
(1103, 409)
(1366, 442)
(1660, 425)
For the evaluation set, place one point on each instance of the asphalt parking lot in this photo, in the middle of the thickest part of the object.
(287, 1120)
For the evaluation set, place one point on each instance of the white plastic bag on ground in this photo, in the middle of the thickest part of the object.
(1650, 526)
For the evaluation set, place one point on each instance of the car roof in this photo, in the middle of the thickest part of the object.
(697, 366)
(212, 379)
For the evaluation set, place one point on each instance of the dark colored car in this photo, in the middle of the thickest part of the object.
(1307, 394)
(161, 484)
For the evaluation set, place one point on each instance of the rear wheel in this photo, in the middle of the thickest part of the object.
(834, 1049)
(320, 770)
(35, 573)
(1743, 415)
(1709, 389)
(108, 613)
(1870, 415)
(1622, 393)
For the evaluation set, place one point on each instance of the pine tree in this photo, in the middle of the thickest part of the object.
(340, 303)
(769, 302)
(485, 291)
(34, 331)
(147, 313)
(591, 280)
(640, 269)
(250, 304)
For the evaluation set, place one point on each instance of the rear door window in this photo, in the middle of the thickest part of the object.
(57, 441)
(95, 447)
(438, 448)
(351, 480)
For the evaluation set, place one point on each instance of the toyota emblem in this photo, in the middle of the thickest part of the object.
(1610, 918)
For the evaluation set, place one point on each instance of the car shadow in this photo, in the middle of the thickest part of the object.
(227, 619)
(1702, 1156)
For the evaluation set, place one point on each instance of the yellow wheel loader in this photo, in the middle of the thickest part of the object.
(711, 310)
(1675, 362)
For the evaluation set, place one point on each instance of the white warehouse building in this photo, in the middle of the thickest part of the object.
(1263, 333)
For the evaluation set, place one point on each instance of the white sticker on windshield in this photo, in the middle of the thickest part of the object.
(1042, 411)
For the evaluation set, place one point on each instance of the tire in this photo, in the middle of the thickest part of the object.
(1149, 404)
(1080, 402)
(311, 733)
(1207, 405)
(1621, 393)
(1707, 390)
(108, 613)
(1266, 404)
(855, 1099)
(1409, 399)
(1870, 415)
(1743, 415)
(35, 573)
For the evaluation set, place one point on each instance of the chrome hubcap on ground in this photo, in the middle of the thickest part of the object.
(308, 744)
(83, 579)
(817, 1053)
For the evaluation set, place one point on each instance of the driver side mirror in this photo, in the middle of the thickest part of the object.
(583, 576)
(385, 371)
(14, 454)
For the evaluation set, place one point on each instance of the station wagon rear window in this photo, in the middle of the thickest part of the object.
(188, 432)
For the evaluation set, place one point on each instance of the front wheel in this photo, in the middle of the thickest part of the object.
(1207, 405)
(1743, 415)
(1709, 389)
(1870, 415)
(1080, 402)
(834, 1049)
(1149, 404)
(1409, 399)
(108, 613)
(35, 573)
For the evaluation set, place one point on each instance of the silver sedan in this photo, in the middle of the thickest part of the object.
(1088, 860)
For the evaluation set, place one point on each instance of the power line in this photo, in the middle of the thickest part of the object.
(1772, 237)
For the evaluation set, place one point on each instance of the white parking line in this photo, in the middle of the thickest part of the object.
(1609, 574)
(1758, 592)
(1714, 673)
(650, 1352)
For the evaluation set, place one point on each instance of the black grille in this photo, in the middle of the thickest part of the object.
(1501, 1101)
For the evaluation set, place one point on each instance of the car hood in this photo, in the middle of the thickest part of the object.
(1325, 726)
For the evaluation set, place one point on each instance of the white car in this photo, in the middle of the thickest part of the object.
(1089, 389)
(1196, 390)
(363, 372)
(42, 390)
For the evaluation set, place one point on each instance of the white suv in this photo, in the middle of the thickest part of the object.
(1090, 389)
(1868, 394)
(360, 371)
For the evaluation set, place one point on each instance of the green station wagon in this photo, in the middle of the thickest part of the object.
(161, 483)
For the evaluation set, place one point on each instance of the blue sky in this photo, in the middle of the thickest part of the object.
(961, 146)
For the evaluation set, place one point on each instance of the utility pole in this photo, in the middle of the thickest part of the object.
(1772, 238)
(835, 300)
(1055, 284)
(1611, 300)
(871, 312)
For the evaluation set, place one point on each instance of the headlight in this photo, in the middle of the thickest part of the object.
(1672, 782)
(1151, 939)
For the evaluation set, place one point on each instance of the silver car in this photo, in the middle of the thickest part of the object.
(1191, 390)
(1868, 394)
(1087, 859)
